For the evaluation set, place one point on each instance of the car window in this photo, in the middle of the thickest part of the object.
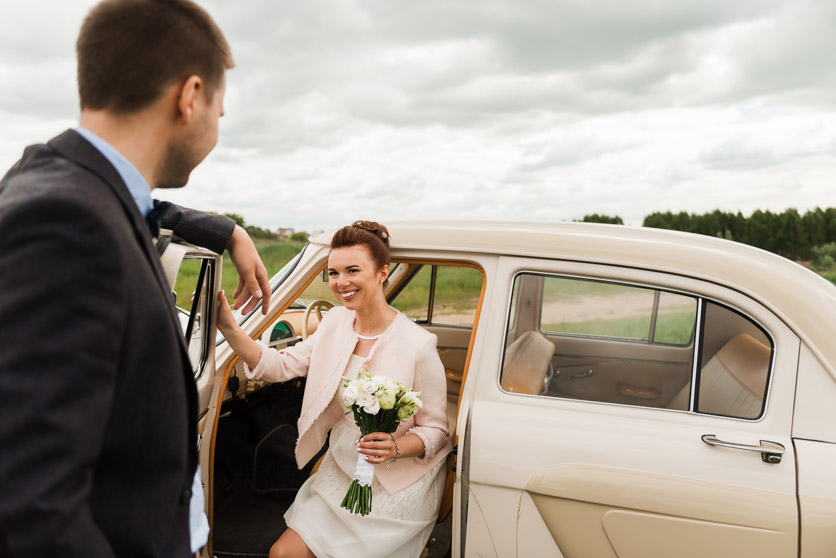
(625, 312)
(319, 289)
(195, 286)
(275, 282)
(608, 342)
(414, 298)
(735, 360)
(440, 294)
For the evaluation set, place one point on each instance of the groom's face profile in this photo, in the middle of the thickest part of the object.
(186, 149)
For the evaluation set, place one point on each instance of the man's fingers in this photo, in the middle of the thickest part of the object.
(264, 281)
(238, 289)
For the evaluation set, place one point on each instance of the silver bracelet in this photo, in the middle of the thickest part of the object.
(397, 452)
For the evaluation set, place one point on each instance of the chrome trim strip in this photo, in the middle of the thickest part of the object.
(695, 359)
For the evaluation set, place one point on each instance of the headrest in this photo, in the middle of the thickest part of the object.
(747, 360)
(526, 363)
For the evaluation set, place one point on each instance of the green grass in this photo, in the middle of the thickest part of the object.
(457, 290)
(670, 328)
(624, 328)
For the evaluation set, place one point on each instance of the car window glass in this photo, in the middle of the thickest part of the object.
(457, 291)
(598, 341)
(414, 298)
(594, 308)
(734, 365)
(441, 294)
(675, 319)
(193, 291)
(319, 289)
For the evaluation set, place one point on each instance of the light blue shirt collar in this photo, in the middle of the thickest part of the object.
(137, 186)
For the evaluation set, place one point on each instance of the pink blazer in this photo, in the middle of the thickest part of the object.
(405, 352)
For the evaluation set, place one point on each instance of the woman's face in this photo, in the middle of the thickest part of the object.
(353, 277)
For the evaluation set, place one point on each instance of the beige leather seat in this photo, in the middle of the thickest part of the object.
(527, 361)
(733, 382)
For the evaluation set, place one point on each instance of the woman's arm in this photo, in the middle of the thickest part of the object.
(248, 349)
(431, 421)
(268, 365)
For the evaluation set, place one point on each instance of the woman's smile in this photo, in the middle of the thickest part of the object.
(348, 295)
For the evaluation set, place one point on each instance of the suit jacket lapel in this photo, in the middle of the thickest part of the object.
(74, 147)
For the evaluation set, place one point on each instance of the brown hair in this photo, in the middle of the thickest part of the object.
(373, 236)
(130, 50)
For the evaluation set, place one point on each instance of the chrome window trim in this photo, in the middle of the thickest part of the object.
(695, 360)
(701, 299)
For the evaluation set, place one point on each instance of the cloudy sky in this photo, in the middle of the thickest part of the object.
(498, 109)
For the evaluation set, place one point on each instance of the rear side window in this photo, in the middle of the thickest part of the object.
(608, 342)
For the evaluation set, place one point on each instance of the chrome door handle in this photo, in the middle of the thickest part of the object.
(771, 452)
(586, 374)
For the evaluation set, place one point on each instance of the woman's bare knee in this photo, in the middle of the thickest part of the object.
(290, 545)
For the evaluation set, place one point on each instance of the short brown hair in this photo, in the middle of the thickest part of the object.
(373, 236)
(130, 50)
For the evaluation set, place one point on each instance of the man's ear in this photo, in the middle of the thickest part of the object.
(187, 98)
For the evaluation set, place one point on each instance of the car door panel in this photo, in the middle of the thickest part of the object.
(615, 371)
(581, 504)
(621, 480)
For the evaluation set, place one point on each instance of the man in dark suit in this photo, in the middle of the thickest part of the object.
(98, 405)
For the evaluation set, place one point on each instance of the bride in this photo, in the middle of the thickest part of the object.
(365, 333)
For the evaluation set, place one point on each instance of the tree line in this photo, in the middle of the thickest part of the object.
(258, 232)
(789, 233)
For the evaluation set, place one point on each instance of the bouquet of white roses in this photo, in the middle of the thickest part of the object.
(379, 404)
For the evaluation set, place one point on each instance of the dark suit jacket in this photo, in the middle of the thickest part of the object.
(97, 399)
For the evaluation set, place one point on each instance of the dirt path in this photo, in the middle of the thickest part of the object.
(580, 308)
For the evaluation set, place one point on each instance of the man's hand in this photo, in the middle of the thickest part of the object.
(253, 282)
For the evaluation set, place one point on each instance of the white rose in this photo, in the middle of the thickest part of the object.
(350, 394)
(373, 408)
(366, 399)
(368, 386)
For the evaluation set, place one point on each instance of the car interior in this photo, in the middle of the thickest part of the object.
(255, 477)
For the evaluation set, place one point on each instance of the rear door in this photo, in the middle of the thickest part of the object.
(658, 423)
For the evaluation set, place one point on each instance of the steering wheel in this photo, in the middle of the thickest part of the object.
(317, 305)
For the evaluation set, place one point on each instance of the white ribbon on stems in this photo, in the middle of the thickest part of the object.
(364, 472)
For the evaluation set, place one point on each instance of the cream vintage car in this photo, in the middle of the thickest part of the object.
(613, 392)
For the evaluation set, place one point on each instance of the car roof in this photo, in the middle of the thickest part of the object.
(800, 297)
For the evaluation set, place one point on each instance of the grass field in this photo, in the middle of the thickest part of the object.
(672, 328)
(274, 254)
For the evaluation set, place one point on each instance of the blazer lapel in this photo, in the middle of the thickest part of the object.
(74, 147)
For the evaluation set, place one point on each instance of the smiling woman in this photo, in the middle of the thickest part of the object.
(365, 334)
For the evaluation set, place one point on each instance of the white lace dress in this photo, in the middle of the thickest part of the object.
(398, 525)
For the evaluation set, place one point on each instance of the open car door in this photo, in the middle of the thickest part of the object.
(194, 276)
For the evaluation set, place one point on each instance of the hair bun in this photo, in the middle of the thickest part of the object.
(376, 229)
